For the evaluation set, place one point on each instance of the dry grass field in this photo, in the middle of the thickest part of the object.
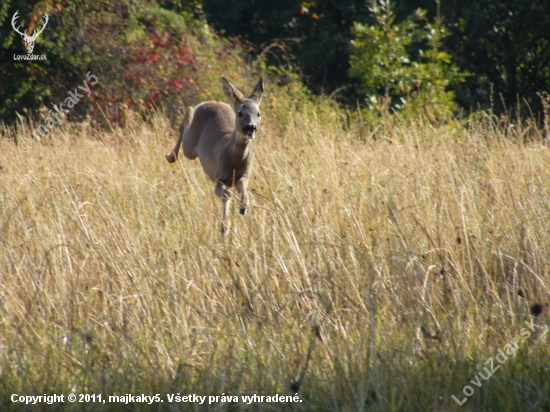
(378, 269)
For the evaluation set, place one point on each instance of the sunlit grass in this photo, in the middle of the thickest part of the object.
(378, 268)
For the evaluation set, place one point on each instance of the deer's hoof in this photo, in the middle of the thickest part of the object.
(243, 211)
(224, 230)
(171, 158)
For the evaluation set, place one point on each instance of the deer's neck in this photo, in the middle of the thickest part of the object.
(238, 148)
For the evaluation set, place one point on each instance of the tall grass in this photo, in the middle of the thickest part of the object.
(378, 269)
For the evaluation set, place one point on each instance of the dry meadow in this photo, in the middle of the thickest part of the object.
(379, 268)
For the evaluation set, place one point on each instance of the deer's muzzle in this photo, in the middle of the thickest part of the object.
(250, 130)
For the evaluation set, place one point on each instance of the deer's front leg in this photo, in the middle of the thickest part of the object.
(242, 185)
(223, 194)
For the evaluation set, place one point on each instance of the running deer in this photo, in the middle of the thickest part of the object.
(220, 136)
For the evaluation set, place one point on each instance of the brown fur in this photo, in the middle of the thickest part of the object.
(221, 138)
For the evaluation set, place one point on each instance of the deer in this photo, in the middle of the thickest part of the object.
(29, 40)
(220, 136)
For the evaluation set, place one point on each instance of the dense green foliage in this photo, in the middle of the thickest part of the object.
(503, 44)
(386, 60)
(136, 49)
(447, 54)
(316, 33)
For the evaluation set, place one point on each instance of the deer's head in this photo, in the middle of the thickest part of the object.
(29, 40)
(247, 111)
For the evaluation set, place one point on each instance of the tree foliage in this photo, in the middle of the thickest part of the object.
(503, 44)
(316, 33)
(405, 61)
(138, 51)
(145, 52)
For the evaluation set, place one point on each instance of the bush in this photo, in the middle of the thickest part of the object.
(405, 63)
(139, 51)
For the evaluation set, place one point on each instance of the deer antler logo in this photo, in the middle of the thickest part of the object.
(29, 40)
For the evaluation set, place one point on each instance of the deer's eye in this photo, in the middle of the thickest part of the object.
(259, 114)
(240, 114)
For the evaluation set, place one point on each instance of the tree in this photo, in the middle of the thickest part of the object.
(315, 33)
(505, 45)
(404, 61)
(135, 48)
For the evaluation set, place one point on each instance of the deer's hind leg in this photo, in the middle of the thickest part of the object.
(184, 127)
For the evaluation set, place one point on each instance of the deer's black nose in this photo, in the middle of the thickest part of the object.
(249, 129)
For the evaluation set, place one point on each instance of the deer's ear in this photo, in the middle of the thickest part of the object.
(231, 92)
(256, 95)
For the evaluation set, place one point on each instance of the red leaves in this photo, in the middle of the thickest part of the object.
(157, 70)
